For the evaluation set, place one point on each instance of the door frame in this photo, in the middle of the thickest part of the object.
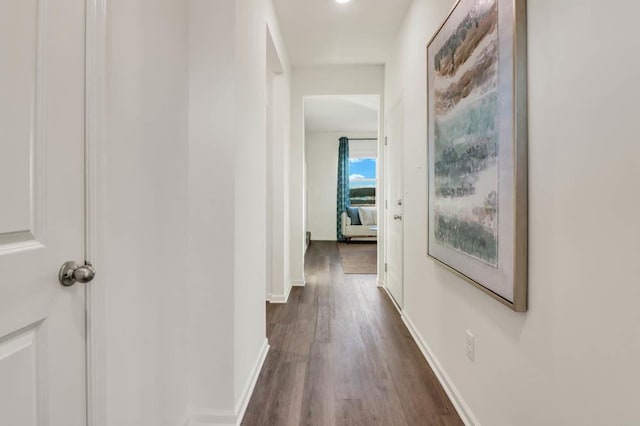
(95, 140)
(387, 206)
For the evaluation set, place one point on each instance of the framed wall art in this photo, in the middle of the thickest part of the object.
(477, 147)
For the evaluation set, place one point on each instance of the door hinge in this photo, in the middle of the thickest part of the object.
(386, 140)
(385, 267)
(386, 204)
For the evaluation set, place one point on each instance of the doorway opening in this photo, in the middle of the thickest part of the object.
(342, 177)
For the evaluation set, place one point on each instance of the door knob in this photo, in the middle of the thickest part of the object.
(71, 273)
(397, 217)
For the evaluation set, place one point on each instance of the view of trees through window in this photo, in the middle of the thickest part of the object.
(362, 181)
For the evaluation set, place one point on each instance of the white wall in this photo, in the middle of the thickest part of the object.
(252, 19)
(313, 81)
(186, 143)
(143, 244)
(572, 358)
(250, 175)
(211, 200)
(322, 170)
(228, 199)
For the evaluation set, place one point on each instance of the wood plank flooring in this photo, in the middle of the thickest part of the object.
(340, 355)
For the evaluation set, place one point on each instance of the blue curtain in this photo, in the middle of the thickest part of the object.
(343, 184)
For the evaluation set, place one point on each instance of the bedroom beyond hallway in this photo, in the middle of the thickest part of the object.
(342, 177)
(341, 355)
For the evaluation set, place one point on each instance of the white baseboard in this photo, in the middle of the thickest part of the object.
(245, 396)
(233, 418)
(278, 298)
(452, 392)
(380, 282)
(298, 283)
(386, 289)
(213, 418)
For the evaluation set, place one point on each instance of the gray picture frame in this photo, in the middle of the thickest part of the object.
(506, 279)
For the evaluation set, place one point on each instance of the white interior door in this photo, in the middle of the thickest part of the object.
(42, 324)
(394, 212)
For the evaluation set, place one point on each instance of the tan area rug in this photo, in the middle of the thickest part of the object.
(359, 258)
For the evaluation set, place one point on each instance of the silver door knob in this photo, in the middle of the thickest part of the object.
(397, 217)
(71, 273)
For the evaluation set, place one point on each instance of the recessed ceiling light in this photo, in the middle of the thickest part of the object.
(343, 1)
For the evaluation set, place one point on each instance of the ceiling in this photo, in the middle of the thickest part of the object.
(319, 32)
(357, 113)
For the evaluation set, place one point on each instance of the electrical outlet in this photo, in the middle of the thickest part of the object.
(470, 346)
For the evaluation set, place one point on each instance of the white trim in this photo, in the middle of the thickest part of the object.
(245, 397)
(386, 289)
(212, 418)
(95, 131)
(298, 283)
(380, 282)
(228, 417)
(452, 392)
(278, 298)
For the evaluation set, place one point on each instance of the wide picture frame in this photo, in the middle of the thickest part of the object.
(477, 147)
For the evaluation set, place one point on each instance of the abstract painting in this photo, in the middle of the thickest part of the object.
(476, 72)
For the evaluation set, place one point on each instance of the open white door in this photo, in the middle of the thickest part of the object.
(394, 211)
(42, 323)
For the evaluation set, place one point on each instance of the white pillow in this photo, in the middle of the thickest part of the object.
(368, 216)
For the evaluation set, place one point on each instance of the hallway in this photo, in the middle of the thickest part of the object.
(340, 355)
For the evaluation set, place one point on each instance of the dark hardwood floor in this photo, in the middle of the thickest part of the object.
(340, 355)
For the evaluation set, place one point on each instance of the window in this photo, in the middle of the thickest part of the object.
(362, 181)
